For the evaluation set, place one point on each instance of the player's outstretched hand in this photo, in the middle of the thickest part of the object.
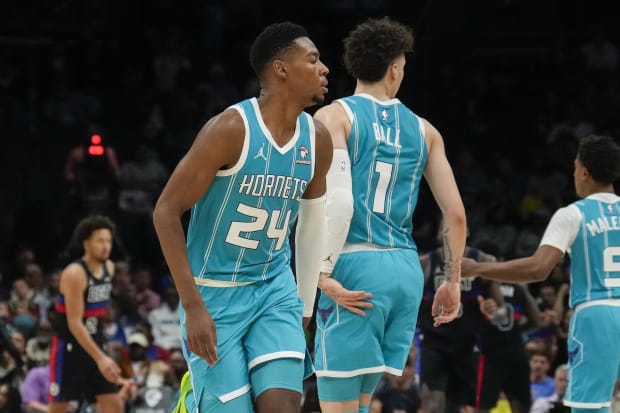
(468, 268)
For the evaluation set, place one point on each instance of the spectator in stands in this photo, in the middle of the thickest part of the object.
(164, 321)
(141, 180)
(36, 387)
(542, 385)
(553, 403)
(145, 297)
(10, 399)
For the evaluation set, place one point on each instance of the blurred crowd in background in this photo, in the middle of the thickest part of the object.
(99, 100)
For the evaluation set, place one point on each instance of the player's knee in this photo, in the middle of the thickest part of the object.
(282, 374)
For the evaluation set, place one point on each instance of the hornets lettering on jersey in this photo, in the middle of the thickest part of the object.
(287, 187)
(253, 205)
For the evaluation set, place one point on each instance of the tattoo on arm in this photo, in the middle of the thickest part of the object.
(450, 262)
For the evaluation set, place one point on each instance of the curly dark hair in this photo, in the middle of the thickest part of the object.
(90, 224)
(272, 42)
(373, 45)
(601, 157)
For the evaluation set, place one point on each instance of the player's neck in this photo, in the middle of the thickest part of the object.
(279, 116)
(378, 90)
(95, 266)
(600, 189)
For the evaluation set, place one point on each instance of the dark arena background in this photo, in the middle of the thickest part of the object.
(99, 100)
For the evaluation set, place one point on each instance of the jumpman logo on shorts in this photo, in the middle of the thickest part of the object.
(260, 153)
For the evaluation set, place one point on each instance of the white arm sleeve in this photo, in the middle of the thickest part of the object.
(309, 237)
(339, 207)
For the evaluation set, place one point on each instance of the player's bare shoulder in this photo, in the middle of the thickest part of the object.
(111, 267)
(431, 134)
(331, 112)
(221, 138)
(225, 126)
(73, 277)
(323, 136)
(324, 146)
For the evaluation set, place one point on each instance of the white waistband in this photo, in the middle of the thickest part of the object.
(614, 302)
(208, 282)
(366, 246)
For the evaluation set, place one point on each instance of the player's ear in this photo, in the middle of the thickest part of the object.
(393, 71)
(280, 69)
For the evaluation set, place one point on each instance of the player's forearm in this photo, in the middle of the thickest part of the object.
(515, 271)
(454, 238)
(339, 208)
(310, 235)
(172, 241)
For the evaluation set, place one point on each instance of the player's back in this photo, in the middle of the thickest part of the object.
(595, 253)
(239, 229)
(388, 154)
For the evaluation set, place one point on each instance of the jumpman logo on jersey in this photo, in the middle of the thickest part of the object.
(329, 258)
(260, 153)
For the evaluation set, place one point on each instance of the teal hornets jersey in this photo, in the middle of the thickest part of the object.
(388, 154)
(595, 253)
(239, 230)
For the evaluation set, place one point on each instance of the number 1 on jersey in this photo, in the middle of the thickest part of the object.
(384, 170)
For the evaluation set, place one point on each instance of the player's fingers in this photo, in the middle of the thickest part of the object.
(201, 349)
(440, 307)
(364, 304)
(448, 314)
(357, 295)
(355, 310)
(443, 319)
(210, 357)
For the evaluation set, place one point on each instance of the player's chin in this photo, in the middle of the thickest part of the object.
(318, 99)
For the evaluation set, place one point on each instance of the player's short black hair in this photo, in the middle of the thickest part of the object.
(272, 42)
(601, 157)
(373, 45)
(90, 224)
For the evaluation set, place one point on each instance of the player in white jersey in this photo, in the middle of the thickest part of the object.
(251, 170)
(589, 231)
(370, 297)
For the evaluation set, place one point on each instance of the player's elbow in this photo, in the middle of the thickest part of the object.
(161, 213)
(456, 218)
(157, 215)
(537, 273)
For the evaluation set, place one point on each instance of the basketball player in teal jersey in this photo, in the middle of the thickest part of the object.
(589, 231)
(252, 172)
(381, 151)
